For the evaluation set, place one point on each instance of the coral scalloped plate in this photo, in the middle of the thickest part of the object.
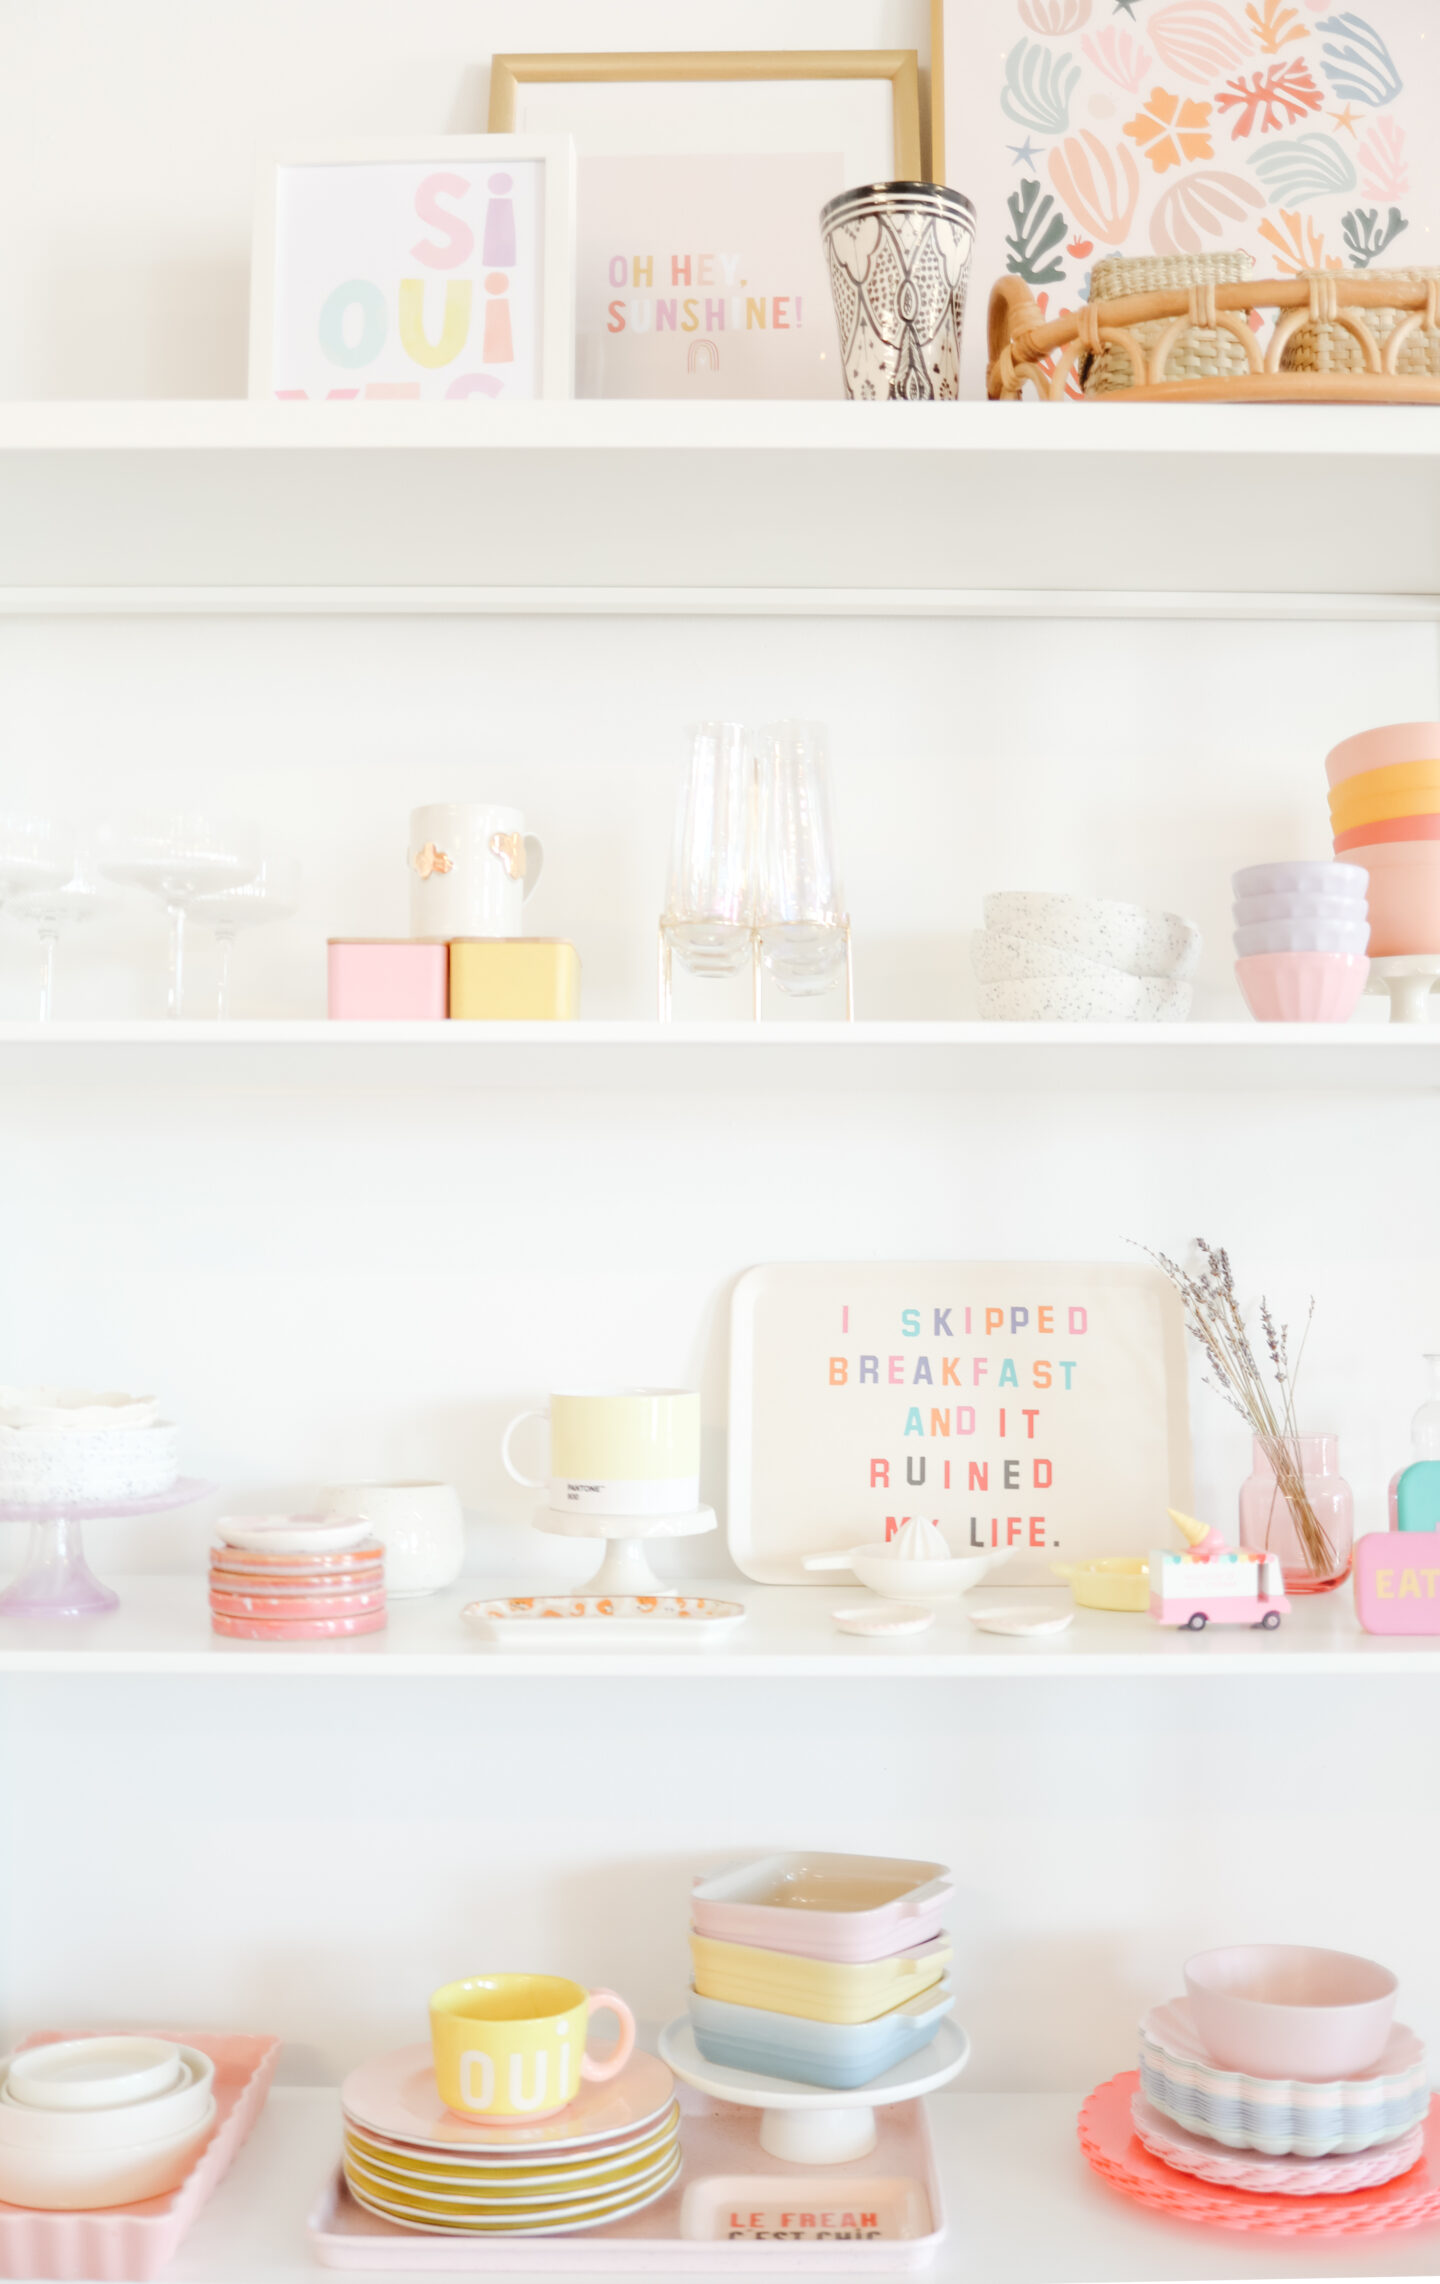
(1108, 2140)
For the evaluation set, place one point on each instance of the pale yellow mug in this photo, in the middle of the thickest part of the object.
(635, 1451)
(512, 2047)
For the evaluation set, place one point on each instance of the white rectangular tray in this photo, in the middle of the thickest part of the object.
(749, 2213)
(848, 1381)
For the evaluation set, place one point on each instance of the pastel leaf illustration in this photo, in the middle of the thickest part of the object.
(1366, 237)
(1100, 186)
(1170, 129)
(1357, 62)
(1038, 87)
(1299, 244)
(1274, 24)
(1309, 166)
(1382, 160)
(1053, 18)
(1197, 39)
(1038, 228)
(1200, 207)
(1277, 98)
(1119, 57)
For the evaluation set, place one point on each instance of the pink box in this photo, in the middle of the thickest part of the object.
(375, 980)
(1397, 1582)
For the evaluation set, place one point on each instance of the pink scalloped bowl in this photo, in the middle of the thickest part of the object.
(1107, 2137)
(1268, 2176)
(1302, 987)
(1382, 748)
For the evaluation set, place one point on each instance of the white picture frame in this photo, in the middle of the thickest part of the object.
(549, 190)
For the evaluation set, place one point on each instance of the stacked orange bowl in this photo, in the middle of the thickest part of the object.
(1385, 815)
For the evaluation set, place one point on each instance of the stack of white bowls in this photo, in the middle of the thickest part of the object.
(1079, 959)
(91, 2122)
(1301, 932)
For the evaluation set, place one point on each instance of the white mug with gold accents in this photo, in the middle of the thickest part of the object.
(472, 866)
(636, 1452)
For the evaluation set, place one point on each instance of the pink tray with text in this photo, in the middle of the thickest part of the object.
(1108, 2139)
(122, 2243)
(733, 2208)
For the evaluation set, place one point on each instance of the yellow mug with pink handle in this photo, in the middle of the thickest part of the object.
(510, 2049)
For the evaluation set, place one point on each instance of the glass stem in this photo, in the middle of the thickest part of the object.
(176, 1002)
(47, 974)
(224, 946)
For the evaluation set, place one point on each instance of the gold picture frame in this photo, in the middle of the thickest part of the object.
(919, 139)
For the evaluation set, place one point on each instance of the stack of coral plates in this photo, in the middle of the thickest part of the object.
(614, 2150)
(1385, 815)
(301, 1578)
(826, 1970)
(1274, 2096)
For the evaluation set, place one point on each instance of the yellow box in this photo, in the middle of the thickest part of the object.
(514, 979)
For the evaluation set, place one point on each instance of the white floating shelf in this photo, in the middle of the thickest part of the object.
(163, 1627)
(643, 505)
(1023, 2207)
(1361, 1057)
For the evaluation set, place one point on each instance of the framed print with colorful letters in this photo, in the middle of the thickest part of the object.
(439, 268)
(699, 265)
(1297, 132)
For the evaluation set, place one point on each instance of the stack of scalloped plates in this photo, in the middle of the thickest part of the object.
(412, 2161)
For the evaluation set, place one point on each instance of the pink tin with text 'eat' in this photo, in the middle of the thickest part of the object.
(1397, 1582)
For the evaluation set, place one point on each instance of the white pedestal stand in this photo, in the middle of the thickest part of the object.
(815, 2125)
(626, 1568)
(1408, 977)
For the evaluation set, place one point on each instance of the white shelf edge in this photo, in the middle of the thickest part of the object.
(460, 1037)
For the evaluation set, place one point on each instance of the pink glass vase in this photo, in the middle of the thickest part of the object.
(1267, 1525)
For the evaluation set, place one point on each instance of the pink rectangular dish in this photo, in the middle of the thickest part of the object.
(734, 2209)
(849, 1909)
(126, 2244)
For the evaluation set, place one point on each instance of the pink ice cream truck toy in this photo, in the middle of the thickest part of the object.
(1215, 1582)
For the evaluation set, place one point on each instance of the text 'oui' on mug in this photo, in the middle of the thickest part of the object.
(513, 2046)
(636, 1452)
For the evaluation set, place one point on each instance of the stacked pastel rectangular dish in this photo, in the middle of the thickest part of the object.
(825, 1970)
(1385, 816)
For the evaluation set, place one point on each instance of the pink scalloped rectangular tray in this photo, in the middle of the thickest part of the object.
(727, 2212)
(133, 2242)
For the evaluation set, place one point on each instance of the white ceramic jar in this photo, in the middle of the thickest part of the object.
(420, 1525)
(472, 866)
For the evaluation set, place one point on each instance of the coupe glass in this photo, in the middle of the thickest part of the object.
(272, 895)
(709, 905)
(799, 901)
(50, 909)
(35, 852)
(180, 858)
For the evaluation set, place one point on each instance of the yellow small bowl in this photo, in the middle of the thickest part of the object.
(1111, 1582)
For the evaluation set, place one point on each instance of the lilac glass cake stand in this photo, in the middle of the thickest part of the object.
(57, 1581)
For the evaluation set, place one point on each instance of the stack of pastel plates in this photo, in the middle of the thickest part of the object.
(614, 2150)
(302, 1578)
(826, 1970)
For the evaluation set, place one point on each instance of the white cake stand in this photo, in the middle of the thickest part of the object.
(815, 2125)
(57, 1581)
(1409, 978)
(626, 1568)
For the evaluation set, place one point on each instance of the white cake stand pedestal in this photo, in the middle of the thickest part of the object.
(57, 1581)
(626, 1567)
(1409, 978)
(815, 2125)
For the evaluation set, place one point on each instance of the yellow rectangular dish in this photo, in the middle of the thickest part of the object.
(820, 1990)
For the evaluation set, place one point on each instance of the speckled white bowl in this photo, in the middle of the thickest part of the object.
(1123, 936)
(999, 955)
(1107, 997)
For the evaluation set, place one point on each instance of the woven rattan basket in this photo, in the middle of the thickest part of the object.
(1199, 352)
(1325, 346)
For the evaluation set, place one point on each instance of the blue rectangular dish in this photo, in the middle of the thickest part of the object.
(840, 2055)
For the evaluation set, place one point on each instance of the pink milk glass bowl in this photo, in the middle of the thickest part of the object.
(1283, 2010)
(1302, 987)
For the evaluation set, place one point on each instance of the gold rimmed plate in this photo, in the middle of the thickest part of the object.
(478, 2204)
(578, 2220)
(609, 2160)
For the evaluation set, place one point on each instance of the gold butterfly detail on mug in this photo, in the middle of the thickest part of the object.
(430, 859)
(510, 848)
